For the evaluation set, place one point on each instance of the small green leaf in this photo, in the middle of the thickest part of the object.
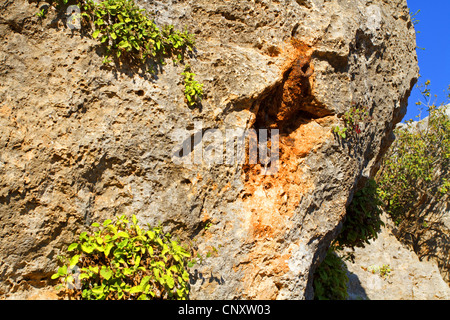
(83, 276)
(165, 249)
(93, 269)
(97, 289)
(122, 243)
(138, 230)
(145, 280)
(72, 247)
(112, 228)
(136, 289)
(108, 248)
(180, 292)
(95, 34)
(87, 249)
(99, 240)
(137, 260)
(74, 260)
(62, 271)
(151, 235)
(170, 282)
(191, 263)
(185, 275)
(123, 234)
(173, 268)
(83, 236)
(143, 297)
(106, 60)
(123, 44)
(127, 271)
(106, 273)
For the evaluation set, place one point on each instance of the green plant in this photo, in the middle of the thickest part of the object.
(330, 278)
(415, 172)
(122, 261)
(363, 217)
(193, 91)
(445, 187)
(340, 132)
(127, 31)
(415, 22)
(354, 116)
(362, 223)
(413, 15)
(384, 271)
(207, 226)
(352, 121)
(42, 13)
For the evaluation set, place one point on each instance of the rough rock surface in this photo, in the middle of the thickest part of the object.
(81, 142)
(408, 279)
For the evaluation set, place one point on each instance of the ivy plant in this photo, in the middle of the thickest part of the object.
(121, 261)
(128, 33)
(362, 224)
(193, 91)
(330, 278)
(127, 30)
(363, 217)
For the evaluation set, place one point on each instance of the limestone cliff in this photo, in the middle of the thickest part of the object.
(81, 142)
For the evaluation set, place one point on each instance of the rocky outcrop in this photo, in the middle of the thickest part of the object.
(417, 269)
(387, 270)
(81, 142)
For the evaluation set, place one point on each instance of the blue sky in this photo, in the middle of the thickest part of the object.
(434, 61)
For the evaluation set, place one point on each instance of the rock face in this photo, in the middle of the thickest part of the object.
(81, 142)
(408, 278)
